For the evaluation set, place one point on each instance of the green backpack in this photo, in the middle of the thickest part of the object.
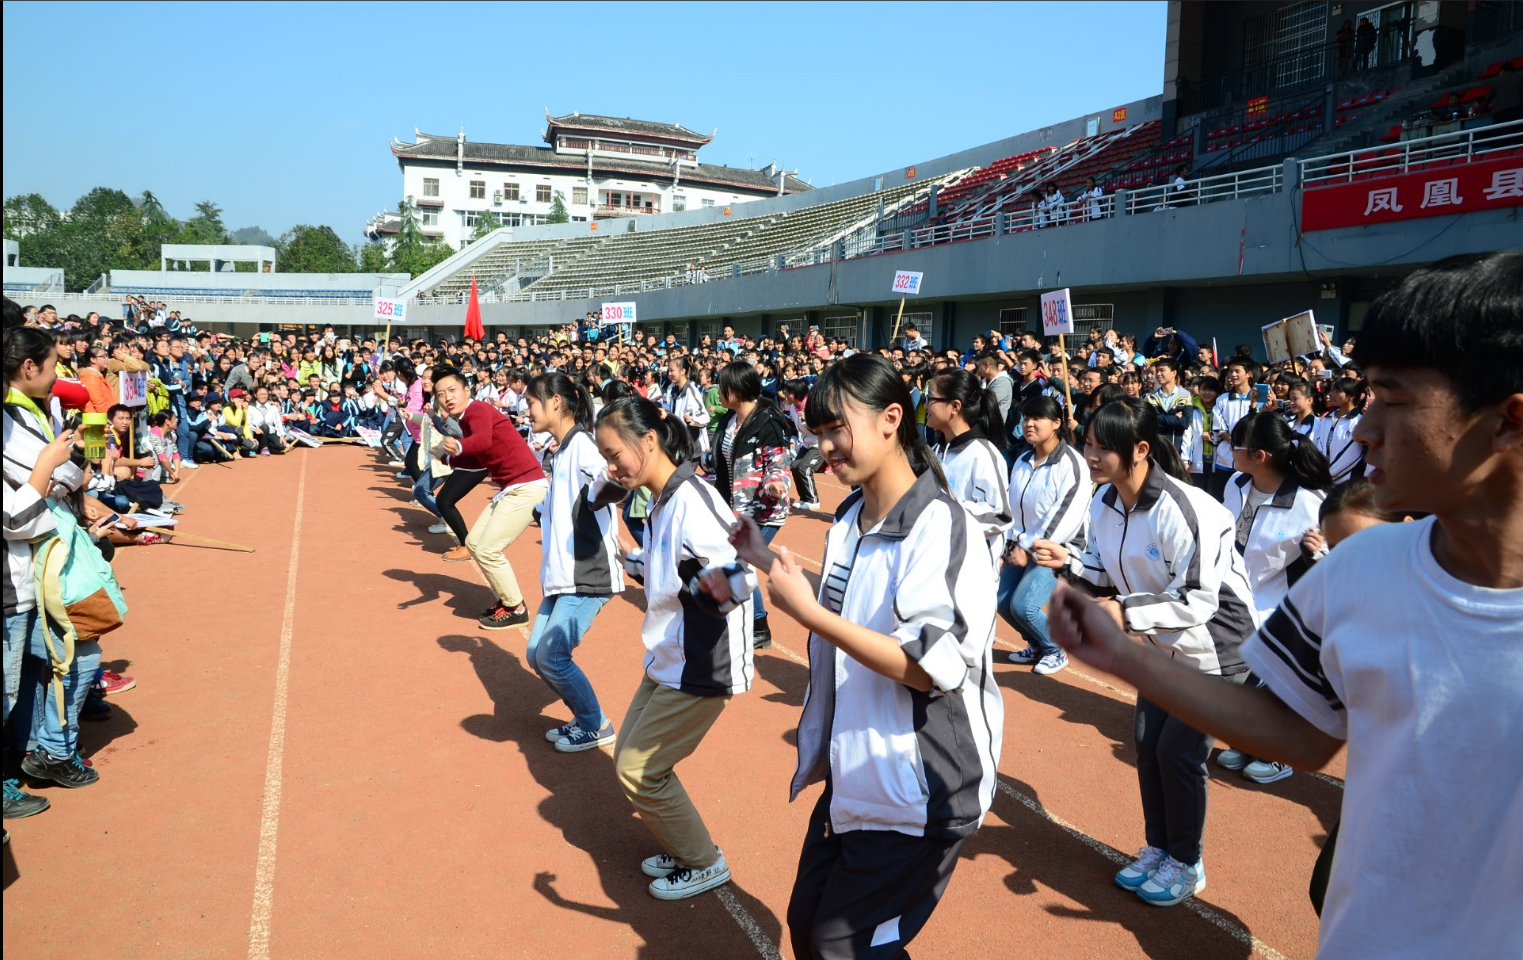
(76, 590)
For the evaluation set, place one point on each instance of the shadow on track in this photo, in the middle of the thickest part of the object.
(1045, 855)
(465, 598)
(586, 805)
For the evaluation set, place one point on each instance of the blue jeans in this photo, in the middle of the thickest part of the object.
(423, 490)
(636, 524)
(759, 609)
(1022, 592)
(18, 626)
(58, 735)
(557, 630)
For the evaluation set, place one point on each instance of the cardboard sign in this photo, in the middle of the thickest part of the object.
(1275, 347)
(371, 436)
(1057, 313)
(390, 310)
(304, 438)
(618, 313)
(132, 389)
(1292, 337)
(907, 282)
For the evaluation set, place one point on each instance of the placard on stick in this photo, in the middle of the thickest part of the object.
(1057, 313)
(132, 389)
(1291, 337)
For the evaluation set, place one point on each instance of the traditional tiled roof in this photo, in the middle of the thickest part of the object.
(593, 123)
(442, 148)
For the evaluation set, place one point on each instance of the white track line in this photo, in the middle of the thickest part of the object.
(1117, 857)
(269, 822)
(1124, 694)
(764, 947)
(789, 653)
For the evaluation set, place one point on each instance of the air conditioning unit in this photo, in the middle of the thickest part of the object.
(497, 197)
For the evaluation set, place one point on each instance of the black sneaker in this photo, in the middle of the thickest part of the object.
(501, 618)
(66, 773)
(761, 634)
(19, 803)
(95, 708)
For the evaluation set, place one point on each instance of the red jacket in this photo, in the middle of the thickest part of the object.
(490, 441)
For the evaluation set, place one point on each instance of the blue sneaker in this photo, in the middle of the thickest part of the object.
(1136, 874)
(586, 739)
(565, 730)
(1173, 882)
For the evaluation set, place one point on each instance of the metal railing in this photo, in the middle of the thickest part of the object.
(1402, 157)
(1226, 186)
(178, 298)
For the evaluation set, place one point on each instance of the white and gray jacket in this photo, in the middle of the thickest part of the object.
(1229, 409)
(26, 513)
(1050, 500)
(975, 471)
(686, 531)
(1274, 558)
(1173, 564)
(1334, 436)
(921, 764)
(581, 543)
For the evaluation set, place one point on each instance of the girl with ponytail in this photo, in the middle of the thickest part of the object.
(579, 571)
(902, 718)
(967, 415)
(1335, 438)
(697, 641)
(1159, 551)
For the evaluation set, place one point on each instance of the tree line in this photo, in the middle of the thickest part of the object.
(107, 230)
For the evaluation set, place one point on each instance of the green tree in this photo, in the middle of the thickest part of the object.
(101, 204)
(486, 222)
(206, 226)
(372, 258)
(420, 259)
(27, 215)
(306, 249)
(558, 212)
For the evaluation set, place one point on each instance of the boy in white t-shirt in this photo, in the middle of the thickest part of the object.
(1406, 643)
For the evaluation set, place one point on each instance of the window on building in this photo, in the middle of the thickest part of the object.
(510, 192)
(542, 193)
(679, 202)
(430, 218)
(708, 201)
(922, 322)
(430, 186)
(711, 329)
(579, 196)
(1087, 316)
(1012, 321)
(841, 328)
(478, 189)
(1284, 47)
(471, 217)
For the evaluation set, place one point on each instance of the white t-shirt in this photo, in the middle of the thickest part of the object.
(1422, 675)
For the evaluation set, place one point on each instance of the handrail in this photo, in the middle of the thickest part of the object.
(1399, 158)
(1225, 186)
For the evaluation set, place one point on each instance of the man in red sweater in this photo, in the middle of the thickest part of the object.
(490, 442)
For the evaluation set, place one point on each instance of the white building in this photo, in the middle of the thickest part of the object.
(601, 166)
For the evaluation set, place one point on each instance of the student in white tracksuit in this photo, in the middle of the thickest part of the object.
(902, 718)
(579, 571)
(1161, 551)
(967, 415)
(1275, 499)
(684, 400)
(1049, 500)
(697, 653)
(1335, 432)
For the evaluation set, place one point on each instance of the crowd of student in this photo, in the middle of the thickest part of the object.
(1160, 515)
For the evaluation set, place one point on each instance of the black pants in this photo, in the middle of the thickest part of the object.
(862, 886)
(391, 435)
(1216, 477)
(268, 441)
(414, 452)
(1171, 774)
(803, 468)
(456, 486)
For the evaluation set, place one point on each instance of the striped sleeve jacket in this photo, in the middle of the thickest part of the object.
(1050, 501)
(580, 538)
(1274, 558)
(1173, 563)
(975, 471)
(921, 764)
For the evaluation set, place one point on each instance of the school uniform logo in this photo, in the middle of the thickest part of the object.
(1152, 551)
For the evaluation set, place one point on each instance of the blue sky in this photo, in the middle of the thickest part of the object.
(281, 112)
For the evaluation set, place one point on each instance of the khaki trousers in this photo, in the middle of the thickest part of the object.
(663, 726)
(495, 530)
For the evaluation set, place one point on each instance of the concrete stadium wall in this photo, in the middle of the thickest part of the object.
(235, 282)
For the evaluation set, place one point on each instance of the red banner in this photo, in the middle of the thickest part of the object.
(1435, 192)
(1256, 107)
(1118, 115)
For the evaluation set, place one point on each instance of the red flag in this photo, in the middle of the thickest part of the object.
(473, 328)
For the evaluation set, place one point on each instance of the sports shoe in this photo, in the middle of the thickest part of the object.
(567, 730)
(761, 634)
(658, 866)
(457, 553)
(19, 803)
(1173, 882)
(1267, 771)
(1026, 657)
(264, 453)
(1137, 872)
(149, 538)
(1051, 663)
(414, 503)
(395, 463)
(683, 882)
(1230, 759)
(586, 739)
(108, 683)
(189, 465)
(501, 618)
(70, 772)
(440, 527)
(806, 505)
(95, 708)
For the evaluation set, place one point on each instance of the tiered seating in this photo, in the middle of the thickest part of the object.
(1291, 122)
(495, 264)
(22, 288)
(166, 293)
(1009, 195)
(1495, 70)
(624, 257)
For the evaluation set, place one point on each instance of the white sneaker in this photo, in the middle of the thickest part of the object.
(414, 503)
(395, 463)
(1136, 874)
(658, 866)
(1026, 657)
(1051, 663)
(189, 465)
(1267, 771)
(683, 883)
(1173, 882)
(1230, 759)
(440, 527)
(807, 505)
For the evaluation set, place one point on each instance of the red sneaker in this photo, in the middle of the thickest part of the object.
(112, 683)
(149, 538)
